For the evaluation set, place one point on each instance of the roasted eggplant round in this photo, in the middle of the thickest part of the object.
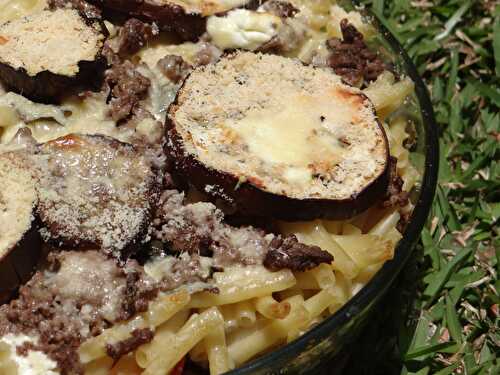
(20, 243)
(276, 138)
(186, 18)
(95, 192)
(44, 55)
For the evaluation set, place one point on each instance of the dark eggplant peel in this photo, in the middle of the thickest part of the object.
(44, 55)
(20, 243)
(185, 17)
(273, 137)
(95, 191)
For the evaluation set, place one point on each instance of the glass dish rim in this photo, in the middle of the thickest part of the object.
(386, 275)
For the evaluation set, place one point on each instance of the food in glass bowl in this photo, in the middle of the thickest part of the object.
(199, 189)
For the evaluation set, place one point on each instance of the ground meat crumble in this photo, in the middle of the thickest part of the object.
(139, 337)
(76, 297)
(351, 58)
(395, 196)
(199, 228)
(128, 88)
(282, 9)
(132, 36)
(86, 9)
(174, 68)
(288, 252)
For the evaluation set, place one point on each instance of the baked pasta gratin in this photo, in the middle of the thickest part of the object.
(190, 183)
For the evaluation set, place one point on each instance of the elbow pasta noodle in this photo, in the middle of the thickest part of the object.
(100, 366)
(217, 352)
(274, 332)
(388, 95)
(255, 309)
(268, 307)
(160, 310)
(245, 314)
(196, 329)
(239, 284)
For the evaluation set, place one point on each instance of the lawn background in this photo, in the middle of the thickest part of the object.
(442, 316)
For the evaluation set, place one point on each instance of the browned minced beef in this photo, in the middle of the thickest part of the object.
(288, 252)
(207, 54)
(199, 228)
(174, 68)
(88, 10)
(134, 35)
(186, 269)
(395, 196)
(63, 351)
(76, 297)
(282, 9)
(351, 58)
(403, 221)
(137, 294)
(128, 88)
(139, 337)
(290, 36)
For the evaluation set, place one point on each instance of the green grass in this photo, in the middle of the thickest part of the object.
(443, 316)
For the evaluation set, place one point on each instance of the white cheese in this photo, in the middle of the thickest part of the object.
(47, 122)
(34, 363)
(207, 7)
(243, 29)
(161, 267)
(305, 138)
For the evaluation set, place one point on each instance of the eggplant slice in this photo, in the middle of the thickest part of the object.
(276, 138)
(185, 17)
(95, 192)
(45, 54)
(20, 242)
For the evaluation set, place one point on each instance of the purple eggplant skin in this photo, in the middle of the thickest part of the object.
(169, 17)
(48, 87)
(19, 263)
(249, 200)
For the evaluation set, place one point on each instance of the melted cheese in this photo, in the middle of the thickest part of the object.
(13, 9)
(34, 363)
(48, 122)
(303, 135)
(243, 29)
(207, 7)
